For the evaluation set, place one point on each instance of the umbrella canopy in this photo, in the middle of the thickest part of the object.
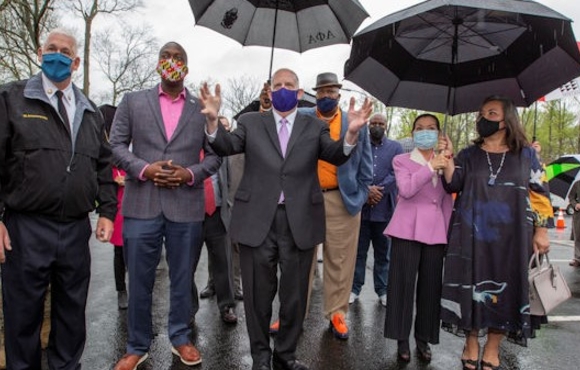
(570, 88)
(562, 173)
(448, 55)
(297, 25)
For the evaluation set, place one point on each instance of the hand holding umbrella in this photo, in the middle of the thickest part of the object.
(211, 105)
(357, 119)
(445, 150)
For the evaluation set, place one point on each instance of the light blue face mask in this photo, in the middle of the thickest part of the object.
(425, 139)
(56, 66)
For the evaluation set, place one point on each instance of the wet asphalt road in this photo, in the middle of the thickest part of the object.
(226, 347)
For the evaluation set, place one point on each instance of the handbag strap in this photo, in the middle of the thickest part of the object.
(536, 258)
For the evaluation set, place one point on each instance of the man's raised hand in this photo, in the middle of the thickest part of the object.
(211, 104)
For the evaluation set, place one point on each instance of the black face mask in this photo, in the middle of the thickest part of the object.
(377, 132)
(486, 128)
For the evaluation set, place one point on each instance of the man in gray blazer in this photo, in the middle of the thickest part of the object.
(163, 202)
(278, 213)
(217, 241)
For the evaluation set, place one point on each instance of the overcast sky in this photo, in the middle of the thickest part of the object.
(215, 56)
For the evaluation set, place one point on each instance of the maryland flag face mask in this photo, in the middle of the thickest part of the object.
(172, 70)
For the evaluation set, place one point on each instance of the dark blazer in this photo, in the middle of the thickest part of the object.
(267, 173)
(224, 184)
(139, 123)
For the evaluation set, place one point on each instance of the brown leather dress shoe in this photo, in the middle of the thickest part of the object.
(187, 353)
(229, 316)
(130, 361)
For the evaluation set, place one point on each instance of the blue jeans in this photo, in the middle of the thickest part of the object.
(372, 231)
(143, 241)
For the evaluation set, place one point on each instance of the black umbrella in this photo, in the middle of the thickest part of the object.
(562, 173)
(448, 55)
(297, 25)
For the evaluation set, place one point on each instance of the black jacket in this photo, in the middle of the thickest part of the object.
(42, 171)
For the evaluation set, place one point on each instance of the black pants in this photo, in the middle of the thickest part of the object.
(259, 268)
(219, 252)
(43, 252)
(413, 262)
(120, 270)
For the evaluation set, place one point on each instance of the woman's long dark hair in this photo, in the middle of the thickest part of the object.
(515, 135)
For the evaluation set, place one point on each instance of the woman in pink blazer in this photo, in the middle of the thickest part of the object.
(418, 230)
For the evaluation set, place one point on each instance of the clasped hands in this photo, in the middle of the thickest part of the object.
(375, 194)
(166, 174)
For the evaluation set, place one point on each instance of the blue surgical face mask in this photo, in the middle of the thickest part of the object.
(425, 139)
(56, 66)
(284, 100)
(326, 104)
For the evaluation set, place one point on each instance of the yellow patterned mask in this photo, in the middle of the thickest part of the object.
(172, 70)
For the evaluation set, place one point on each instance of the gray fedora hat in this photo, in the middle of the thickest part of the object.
(326, 79)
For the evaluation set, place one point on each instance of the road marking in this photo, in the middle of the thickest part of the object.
(560, 261)
(563, 318)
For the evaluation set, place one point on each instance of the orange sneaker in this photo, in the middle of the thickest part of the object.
(338, 326)
(275, 327)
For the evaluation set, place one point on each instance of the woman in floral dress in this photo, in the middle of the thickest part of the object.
(501, 216)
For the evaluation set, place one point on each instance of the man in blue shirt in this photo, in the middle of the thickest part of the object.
(377, 211)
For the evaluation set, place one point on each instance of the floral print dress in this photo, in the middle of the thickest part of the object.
(485, 281)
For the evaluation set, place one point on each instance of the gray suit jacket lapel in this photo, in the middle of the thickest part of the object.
(270, 124)
(188, 111)
(153, 98)
(299, 126)
(271, 128)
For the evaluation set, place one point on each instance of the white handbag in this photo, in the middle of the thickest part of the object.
(548, 288)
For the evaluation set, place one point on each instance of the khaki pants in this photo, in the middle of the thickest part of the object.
(339, 254)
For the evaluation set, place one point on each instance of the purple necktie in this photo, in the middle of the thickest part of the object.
(283, 135)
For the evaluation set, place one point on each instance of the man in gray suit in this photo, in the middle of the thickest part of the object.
(278, 213)
(163, 201)
(217, 240)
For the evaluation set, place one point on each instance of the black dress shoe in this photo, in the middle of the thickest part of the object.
(403, 351)
(229, 316)
(207, 292)
(423, 351)
(279, 364)
(261, 367)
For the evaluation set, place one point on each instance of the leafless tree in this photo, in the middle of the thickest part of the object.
(22, 24)
(89, 9)
(239, 92)
(127, 58)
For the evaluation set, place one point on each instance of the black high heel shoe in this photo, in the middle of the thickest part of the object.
(423, 351)
(469, 364)
(403, 351)
(488, 366)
